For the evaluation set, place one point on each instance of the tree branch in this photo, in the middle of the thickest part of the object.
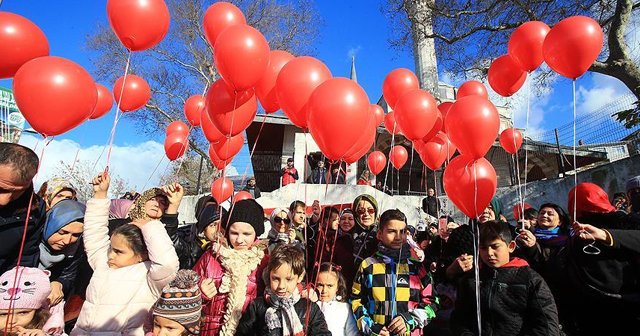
(617, 46)
(473, 31)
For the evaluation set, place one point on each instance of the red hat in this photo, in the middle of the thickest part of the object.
(589, 197)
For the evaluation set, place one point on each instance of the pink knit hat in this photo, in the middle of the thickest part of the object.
(30, 291)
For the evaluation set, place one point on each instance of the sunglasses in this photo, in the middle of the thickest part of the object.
(371, 211)
(280, 220)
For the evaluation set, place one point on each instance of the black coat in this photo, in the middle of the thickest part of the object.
(253, 322)
(12, 221)
(66, 271)
(513, 301)
(431, 205)
(255, 191)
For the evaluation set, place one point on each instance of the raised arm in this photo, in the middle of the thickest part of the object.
(163, 257)
(96, 221)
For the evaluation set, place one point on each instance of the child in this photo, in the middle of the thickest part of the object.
(230, 279)
(332, 292)
(392, 292)
(179, 308)
(282, 311)
(514, 299)
(28, 303)
(129, 269)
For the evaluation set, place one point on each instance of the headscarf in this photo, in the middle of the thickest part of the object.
(55, 186)
(497, 207)
(589, 198)
(63, 213)
(137, 209)
(119, 208)
(368, 198)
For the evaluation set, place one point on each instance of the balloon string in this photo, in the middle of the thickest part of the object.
(435, 189)
(226, 153)
(183, 149)
(153, 172)
(410, 166)
(526, 130)
(118, 112)
(575, 167)
(73, 165)
(386, 173)
(253, 148)
(476, 243)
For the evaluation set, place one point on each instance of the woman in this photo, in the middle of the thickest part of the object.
(364, 232)
(56, 190)
(365, 178)
(347, 221)
(282, 232)
(61, 250)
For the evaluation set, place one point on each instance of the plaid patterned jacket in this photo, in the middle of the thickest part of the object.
(383, 290)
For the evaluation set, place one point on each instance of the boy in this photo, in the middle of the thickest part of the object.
(392, 293)
(282, 311)
(514, 299)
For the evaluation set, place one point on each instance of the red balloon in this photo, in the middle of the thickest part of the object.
(378, 112)
(218, 17)
(228, 148)
(511, 140)
(505, 77)
(54, 94)
(175, 145)
(20, 41)
(416, 113)
(231, 112)
(222, 189)
(193, 108)
(390, 123)
(135, 95)
(177, 127)
(573, 45)
(472, 125)
(398, 156)
(104, 104)
(437, 127)
(336, 107)
(364, 142)
(210, 130)
(450, 147)
(295, 83)
(397, 83)
(241, 54)
(376, 162)
(139, 25)
(220, 164)
(525, 44)
(444, 109)
(266, 87)
(433, 153)
(242, 195)
(472, 88)
(470, 184)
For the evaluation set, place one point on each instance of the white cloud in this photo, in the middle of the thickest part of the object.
(604, 91)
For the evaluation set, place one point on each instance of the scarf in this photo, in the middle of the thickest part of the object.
(395, 255)
(238, 265)
(288, 320)
(119, 208)
(550, 237)
(49, 258)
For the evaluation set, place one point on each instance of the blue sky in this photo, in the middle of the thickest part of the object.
(355, 27)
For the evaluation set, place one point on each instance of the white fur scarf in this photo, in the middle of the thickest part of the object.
(238, 266)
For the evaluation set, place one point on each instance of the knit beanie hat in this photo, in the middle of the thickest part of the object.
(30, 291)
(248, 211)
(137, 209)
(368, 198)
(181, 301)
(208, 215)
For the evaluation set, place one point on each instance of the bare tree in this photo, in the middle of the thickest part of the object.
(188, 171)
(469, 33)
(80, 176)
(182, 64)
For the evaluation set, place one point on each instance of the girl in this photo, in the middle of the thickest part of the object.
(230, 279)
(333, 301)
(129, 270)
(177, 312)
(28, 303)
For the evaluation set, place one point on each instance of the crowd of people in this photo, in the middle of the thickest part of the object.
(121, 266)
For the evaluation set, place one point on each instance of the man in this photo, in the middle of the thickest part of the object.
(430, 204)
(18, 166)
(633, 192)
(384, 189)
(252, 188)
(289, 173)
(337, 175)
(319, 174)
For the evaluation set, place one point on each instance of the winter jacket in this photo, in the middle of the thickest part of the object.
(383, 289)
(12, 221)
(289, 175)
(431, 205)
(210, 266)
(339, 318)
(118, 301)
(514, 300)
(66, 271)
(253, 322)
(365, 242)
(318, 176)
(255, 191)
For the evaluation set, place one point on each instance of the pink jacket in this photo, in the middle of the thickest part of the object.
(119, 300)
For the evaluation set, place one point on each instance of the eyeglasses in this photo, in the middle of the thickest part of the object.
(371, 211)
(280, 220)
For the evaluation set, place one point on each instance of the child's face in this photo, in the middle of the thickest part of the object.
(211, 230)
(327, 286)
(241, 235)
(163, 326)
(21, 318)
(282, 281)
(393, 234)
(333, 222)
(121, 254)
(496, 253)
